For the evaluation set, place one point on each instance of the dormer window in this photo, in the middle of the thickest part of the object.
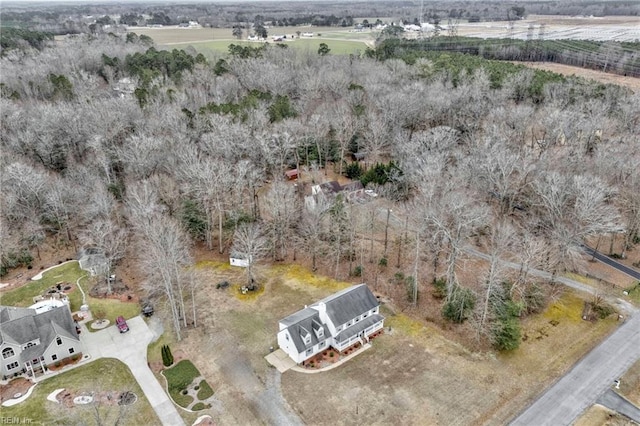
(307, 339)
(58, 341)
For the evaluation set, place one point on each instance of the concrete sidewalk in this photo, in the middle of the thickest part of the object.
(283, 362)
(131, 349)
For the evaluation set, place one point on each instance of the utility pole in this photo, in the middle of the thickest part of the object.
(415, 269)
(386, 232)
(406, 224)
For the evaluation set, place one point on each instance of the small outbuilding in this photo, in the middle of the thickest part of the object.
(292, 174)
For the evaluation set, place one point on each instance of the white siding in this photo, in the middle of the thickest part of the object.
(62, 351)
(286, 344)
(15, 358)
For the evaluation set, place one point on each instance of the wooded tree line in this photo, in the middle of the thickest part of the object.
(614, 57)
(522, 174)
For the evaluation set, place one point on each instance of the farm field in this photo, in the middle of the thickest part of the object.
(338, 47)
(603, 77)
(340, 41)
(414, 373)
(618, 28)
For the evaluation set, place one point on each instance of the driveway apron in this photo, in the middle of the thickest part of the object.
(131, 349)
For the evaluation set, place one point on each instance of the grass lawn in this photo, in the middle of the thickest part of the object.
(23, 296)
(180, 377)
(69, 273)
(205, 390)
(630, 384)
(100, 375)
(154, 353)
(113, 308)
(634, 292)
(338, 47)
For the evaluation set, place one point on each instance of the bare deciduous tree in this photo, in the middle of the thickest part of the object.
(250, 243)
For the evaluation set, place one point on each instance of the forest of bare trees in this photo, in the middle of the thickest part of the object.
(522, 167)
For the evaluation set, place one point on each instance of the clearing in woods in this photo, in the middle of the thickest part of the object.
(413, 374)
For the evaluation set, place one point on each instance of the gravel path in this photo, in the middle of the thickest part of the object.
(264, 400)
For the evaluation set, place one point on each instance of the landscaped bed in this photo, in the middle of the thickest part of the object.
(101, 378)
(186, 386)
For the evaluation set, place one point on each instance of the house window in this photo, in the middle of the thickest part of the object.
(286, 336)
(365, 315)
(59, 341)
(357, 319)
(338, 329)
(54, 357)
(309, 351)
(7, 352)
(348, 324)
(71, 350)
(12, 365)
(28, 345)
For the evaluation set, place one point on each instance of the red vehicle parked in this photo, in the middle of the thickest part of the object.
(122, 324)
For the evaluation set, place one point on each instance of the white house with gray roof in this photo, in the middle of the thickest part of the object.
(31, 339)
(340, 321)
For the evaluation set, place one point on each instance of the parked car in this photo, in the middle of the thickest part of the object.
(147, 310)
(122, 324)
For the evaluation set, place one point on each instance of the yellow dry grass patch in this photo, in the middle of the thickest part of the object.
(566, 309)
(408, 326)
(559, 326)
(249, 296)
(213, 264)
(299, 276)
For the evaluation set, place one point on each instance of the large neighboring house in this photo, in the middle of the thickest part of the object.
(30, 339)
(340, 321)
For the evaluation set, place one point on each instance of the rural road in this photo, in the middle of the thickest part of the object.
(131, 348)
(577, 390)
(609, 261)
(619, 303)
(581, 387)
(615, 402)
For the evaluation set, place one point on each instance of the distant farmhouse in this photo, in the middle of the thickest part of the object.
(328, 191)
(340, 321)
(31, 339)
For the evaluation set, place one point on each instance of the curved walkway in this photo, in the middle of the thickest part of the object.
(131, 349)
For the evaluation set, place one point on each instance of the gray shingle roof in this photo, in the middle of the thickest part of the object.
(34, 352)
(301, 322)
(349, 303)
(45, 326)
(358, 327)
(9, 313)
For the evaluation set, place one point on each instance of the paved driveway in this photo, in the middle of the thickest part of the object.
(588, 379)
(131, 348)
(615, 402)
